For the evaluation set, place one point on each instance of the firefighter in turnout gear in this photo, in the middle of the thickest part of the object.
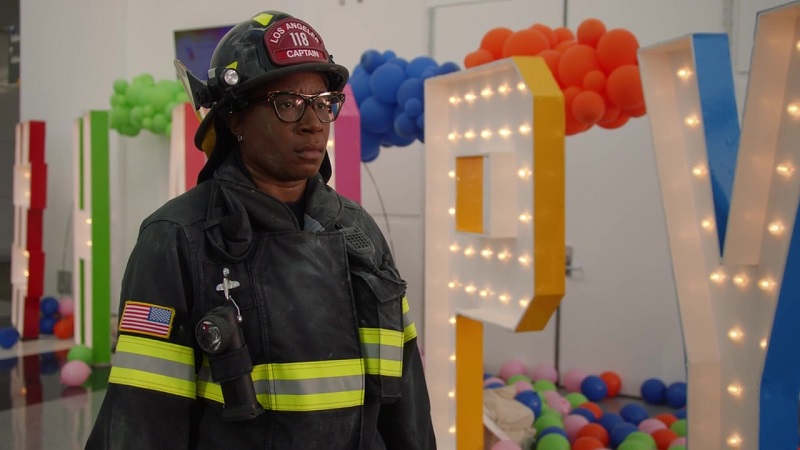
(261, 309)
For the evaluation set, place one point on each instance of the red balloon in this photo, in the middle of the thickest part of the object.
(664, 437)
(575, 63)
(637, 112)
(595, 430)
(613, 381)
(564, 34)
(667, 418)
(621, 120)
(595, 80)
(588, 107)
(551, 57)
(525, 42)
(616, 48)
(587, 443)
(564, 45)
(548, 32)
(624, 86)
(478, 57)
(611, 113)
(494, 40)
(590, 31)
(64, 328)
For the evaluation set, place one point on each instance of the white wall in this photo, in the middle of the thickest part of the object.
(72, 52)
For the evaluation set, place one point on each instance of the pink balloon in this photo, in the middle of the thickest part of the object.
(562, 406)
(651, 425)
(573, 379)
(75, 373)
(573, 423)
(523, 385)
(551, 397)
(544, 372)
(491, 380)
(512, 367)
(66, 306)
(506, 445)
(677, 442)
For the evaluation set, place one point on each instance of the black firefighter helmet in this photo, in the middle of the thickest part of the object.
(268, 46)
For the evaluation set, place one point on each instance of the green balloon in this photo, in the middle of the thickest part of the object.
(129, 130)
(159, 124)
(117, 100)
(120, 116)
(576, 399)
(136, 116)
(147, 123)
(544, 385)
(120, 86)
(144, 79)
(518, 377)
(148, 111)
(160, 97)
(168, 131)
(548, 411)
(81, 353)
(181, 97)
(133, 96)
(679, 427)
(548, 421)
(553, 441)
(677, 447)
(170, 106)
(642, 437)
(634, 445)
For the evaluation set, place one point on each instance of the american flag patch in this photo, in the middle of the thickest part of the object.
(145, 318)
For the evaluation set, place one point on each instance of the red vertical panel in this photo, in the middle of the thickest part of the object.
(38, 185)
(34, 231)
(36, 140)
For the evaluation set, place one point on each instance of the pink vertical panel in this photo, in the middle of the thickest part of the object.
(193, 158)
(347, 142)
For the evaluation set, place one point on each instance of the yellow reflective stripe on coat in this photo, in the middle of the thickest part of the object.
(409, 330)
(383, 351)
(304, 386)
(155, 365)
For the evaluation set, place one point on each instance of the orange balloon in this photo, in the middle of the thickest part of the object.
(590, 31)
(594, 408)
(612, 379)
(564, 45)
(624, 86)
(588, 107)
(494, 40)
(575, 63)
(525, 42)
(621, 120)
(594, 430)
(664, 437)
(64, 328)
(587, 443)
(667, 418)
(571, 124)
(478, 57)
(616, 48)
(564, 34)
(548, 32)
(551, 57)
(637, 112)
(595, 80)
(611, 113)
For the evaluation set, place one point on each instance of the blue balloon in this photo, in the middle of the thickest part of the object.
(413, 107)
(405, 126)
(371, 60)
(400, 62)
(680, 413)
(391, 139)
(376, 117)
(654, 391)
(360, 86)
(421, 122)
(585, 413)
(633, 413)
(486, 376)
(419, 64)
(429, 72)
(49, 306)
(370, 146)
(358, 70)
(389, 54)
(385, 81)
(552, 430)
(594, 388)
(609, 420)
(46, 324)
(676, 394)
(8, 337)
(408, 89)
(448, 67)
(494, 385)
(8, 364)
(620, 432)
(531, 400)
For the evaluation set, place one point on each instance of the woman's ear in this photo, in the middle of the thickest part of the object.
(234, 123)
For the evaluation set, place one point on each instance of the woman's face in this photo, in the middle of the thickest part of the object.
(275, 152)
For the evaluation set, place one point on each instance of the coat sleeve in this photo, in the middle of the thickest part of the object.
(151, 387)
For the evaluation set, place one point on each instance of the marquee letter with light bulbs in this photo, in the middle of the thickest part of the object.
(494, 225)
(739, 308)
(27, 256)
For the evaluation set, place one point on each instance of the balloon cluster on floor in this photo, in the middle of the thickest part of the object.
(77, 369)
(57, 317)
(389, 91)
(596, 69)
(578, 419)
(145, 104)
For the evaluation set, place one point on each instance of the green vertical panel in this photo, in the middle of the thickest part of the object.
(101, 238)
(81, 195)
(82, 300)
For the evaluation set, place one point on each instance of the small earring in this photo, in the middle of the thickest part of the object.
(239, 138)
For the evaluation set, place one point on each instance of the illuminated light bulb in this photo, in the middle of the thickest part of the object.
(763, 344)
(793, 109)
(27, 274)
(775, 228)
(524, 129)
(699, 171)
(470, 97)
(454, 100)
(487, 92)
(470, 289)
(736, 334)
(707, 224)
(766, 284)
(740, 280)
(797, 45)
(88, 243)
(330, 142)
(525, 217)
(452, 357)
(521, 86)
(454, 247)
(524, 260)
(735, 390)
(469, 134)
(524, 302)
(451, 394)
(717, 277)
(451, 211)
(504, 298)
(452, 285)
(487, 253)
(88, 221)
(524, 173)
(451, 174)
(734, 441)
(27, 194)
(486, 134)
(504, 89)
(452, 320)
(452, 136)
(785, 169)
(452, 430)
(27, 174)
(692, 121)
(683, 73)
(483, 293)
(504, 132)
(27, 254)
(469, 251)
(503, 256)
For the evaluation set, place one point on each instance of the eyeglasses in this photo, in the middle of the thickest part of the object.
(290, 106)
